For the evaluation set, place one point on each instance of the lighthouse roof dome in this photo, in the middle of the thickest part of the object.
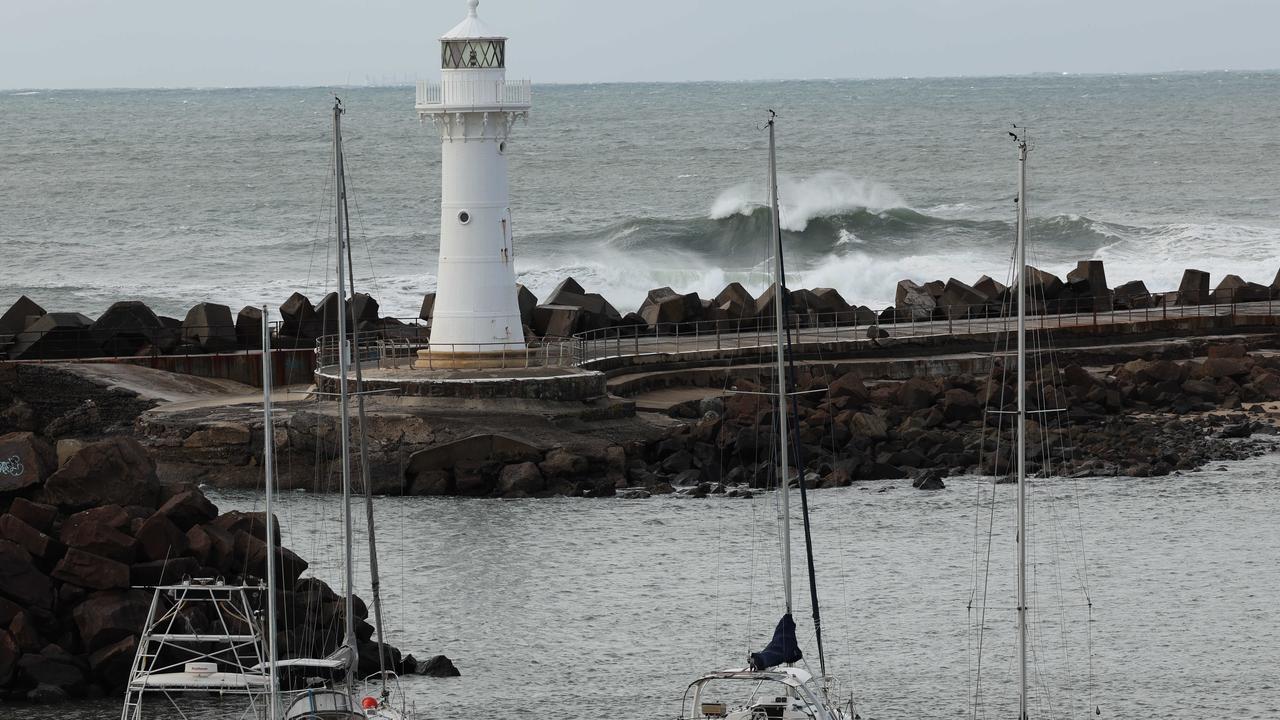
(472, 27)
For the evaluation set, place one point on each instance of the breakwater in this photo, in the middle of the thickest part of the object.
(131, 330)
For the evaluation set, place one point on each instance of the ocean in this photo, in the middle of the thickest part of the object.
(179, 196)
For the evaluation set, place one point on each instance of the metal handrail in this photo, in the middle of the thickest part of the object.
(850, 325)
(383, 350)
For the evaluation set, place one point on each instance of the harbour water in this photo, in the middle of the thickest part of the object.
(583, 609)
(178, 196)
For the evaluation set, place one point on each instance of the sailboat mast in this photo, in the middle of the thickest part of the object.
(344, 420)
(269, 470)
(1023, 289)
(784, 475)
(374, 581)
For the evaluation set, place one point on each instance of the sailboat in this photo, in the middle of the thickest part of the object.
(240, 659)
(247, 663)
(776, 688)
(337, 700)
(1021, 416)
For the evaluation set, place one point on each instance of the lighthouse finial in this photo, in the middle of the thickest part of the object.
(471, 7)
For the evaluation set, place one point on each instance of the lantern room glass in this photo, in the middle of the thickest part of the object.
(462, 54)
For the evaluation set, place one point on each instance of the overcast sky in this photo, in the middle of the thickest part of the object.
(214, 43)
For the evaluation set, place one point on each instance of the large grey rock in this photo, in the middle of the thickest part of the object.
(108, 617)
(863, 315)
(25, 461)
(130, 327)
(209, 327)
(20, 580)
(914, 301)
(91, 571)
(522, 477)
(116, 470)
(56, 336)
(1194, 289)
(20, 314)
(959, 300)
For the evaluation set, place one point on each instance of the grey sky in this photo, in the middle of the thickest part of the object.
(180, 43)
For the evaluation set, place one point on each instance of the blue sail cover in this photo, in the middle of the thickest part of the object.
(782, 649)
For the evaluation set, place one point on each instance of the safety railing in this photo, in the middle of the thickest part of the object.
(907, 322)
(473, 92)
(396, 351)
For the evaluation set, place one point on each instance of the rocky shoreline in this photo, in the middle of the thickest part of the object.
(98, 488)
(88, 527)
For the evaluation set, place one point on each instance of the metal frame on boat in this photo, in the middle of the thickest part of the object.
(797, 697)
(171, 659)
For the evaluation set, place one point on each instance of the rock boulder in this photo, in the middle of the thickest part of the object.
(26, 460)
(116, 470)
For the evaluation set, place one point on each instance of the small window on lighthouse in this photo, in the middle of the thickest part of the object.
(464, 217)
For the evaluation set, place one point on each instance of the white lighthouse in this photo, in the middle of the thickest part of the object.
(474, 108)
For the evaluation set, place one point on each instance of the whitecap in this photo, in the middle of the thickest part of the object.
(803, 199)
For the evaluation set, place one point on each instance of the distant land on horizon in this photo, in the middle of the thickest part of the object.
(409, 83)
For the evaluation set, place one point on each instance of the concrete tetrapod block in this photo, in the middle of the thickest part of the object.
(831, 301)
(993, 290)
(209, 326)
(1132, 295)
(428, 306)
(22, 313)
(566, 285)
(959, 300)
(664, 305)
(249, 328)
(735, 293)
(363, 308)
(1234, 289)
(1194, 288)
(55, 336)
(555, 320)
(129, 327)
(1095, 274)
(298, 317)
(525, 299)
(914, 301)
(596, 312)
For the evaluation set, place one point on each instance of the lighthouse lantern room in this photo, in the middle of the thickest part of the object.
(474, 108)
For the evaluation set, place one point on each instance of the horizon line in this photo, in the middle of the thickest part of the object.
(1037, 73)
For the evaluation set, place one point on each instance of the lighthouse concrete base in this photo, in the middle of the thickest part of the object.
(538, 383)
